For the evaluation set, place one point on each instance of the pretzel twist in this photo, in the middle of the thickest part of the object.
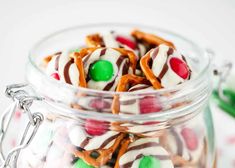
(94, 40)
(144, 64)
(104, 154)
(122, 87)
(123, 149)
(151, 38)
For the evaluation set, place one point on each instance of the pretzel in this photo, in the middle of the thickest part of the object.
(104, 154)
(181, 162)
(123, 149)
(122, 87)
(144, 64)
(48, 58)
(94, 40)
(151, 38)
(176, 159)
(126, 53)
(130, 55)
(83, 52)
(77, 56)
(130, 79)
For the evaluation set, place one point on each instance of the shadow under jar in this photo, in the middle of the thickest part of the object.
(179, 133)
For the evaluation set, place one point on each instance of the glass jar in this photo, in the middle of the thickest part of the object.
(79, 129)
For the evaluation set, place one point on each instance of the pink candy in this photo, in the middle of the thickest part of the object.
(99, 104)
(95, 127)
(18, 114)
(190, 138)
(149, 105)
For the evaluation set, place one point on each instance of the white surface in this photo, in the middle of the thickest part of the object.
(22, 23)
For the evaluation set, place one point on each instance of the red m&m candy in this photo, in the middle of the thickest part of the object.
(99, 104)
(190, 138)
(95, 127)
(126, 41)
(55, 76)
(179, 67)
(149, 105)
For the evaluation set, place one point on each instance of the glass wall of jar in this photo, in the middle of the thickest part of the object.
(161, 129)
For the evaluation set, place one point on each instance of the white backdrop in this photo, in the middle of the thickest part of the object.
(209, 22)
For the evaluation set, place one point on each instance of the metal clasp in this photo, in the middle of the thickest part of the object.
(223, 73)
(21, 99)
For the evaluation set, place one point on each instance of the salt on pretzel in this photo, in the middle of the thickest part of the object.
(151, 38)
(94, 40)
(144, 64)
(122, 87)
(104, 154)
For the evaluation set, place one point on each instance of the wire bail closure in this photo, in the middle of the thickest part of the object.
(223, 73)
(21, 99)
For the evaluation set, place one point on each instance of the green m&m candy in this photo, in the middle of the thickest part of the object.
(101, 70)
(81, 164)
(149, 162)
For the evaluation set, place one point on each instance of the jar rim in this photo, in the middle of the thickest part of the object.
(194, 81)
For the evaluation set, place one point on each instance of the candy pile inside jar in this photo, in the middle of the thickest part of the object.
(135, 62)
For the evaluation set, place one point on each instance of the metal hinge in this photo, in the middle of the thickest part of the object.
(22, 100)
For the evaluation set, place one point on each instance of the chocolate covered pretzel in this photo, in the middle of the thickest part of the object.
(151, 39)
(185, 143)
(165, 67)
(134, 104)
(143, 152)
(103, 67)
(137, 64)
(115, 40)
(62, 67)
(94, 143)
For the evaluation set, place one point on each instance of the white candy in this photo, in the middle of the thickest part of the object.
(61, 61)
(131, 155)
(112, 56)
(134, 107)
(170, 78)
(77, 135)
(173, 140)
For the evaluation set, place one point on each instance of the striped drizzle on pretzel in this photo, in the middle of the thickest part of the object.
(177, 145)
(122, 61)
(151, 38)
(81, 139)
(162, 59)
(144, 147)
(165, 67)
(66, 67)
(115, 40)
(125, 82)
